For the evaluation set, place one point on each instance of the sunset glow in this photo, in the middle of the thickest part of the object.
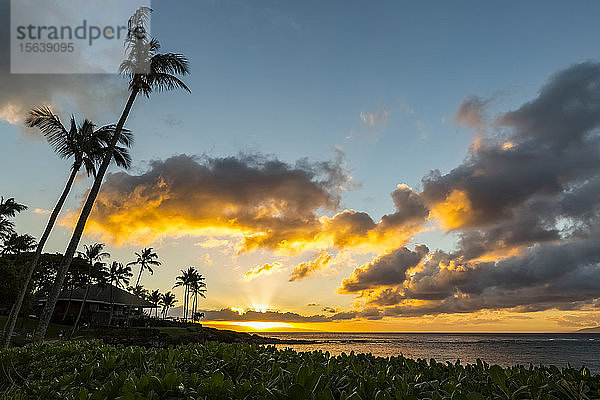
(343, 167)
(261, 325)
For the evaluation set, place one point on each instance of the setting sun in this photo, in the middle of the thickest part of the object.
(261, 325)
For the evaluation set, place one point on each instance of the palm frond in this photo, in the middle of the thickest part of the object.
(10, 208)
(170, 63)
(49, 123)
(90, 166)
(106, 133)
(122, 157)
(164, 82)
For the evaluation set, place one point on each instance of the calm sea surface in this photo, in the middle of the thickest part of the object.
(503, 349)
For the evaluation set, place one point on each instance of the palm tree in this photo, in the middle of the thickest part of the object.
(197, 288)
(86, 146)
(145, 259)
(185, 279)
(138, 291)
(17, 244)
(8, 209)
(118, 275)
(147, 71)
(93, 255)
(168, 300)
(155, 297)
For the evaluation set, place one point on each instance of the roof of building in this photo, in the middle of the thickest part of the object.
(101, 294)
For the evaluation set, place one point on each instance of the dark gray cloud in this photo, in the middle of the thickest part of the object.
(389, 269)
(370, 313)
(547, 146)
(525, 204)
(227, 314)
(410, 209)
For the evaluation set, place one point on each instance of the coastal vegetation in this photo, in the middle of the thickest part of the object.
(92, 149)
(93, 370)
(147, 71)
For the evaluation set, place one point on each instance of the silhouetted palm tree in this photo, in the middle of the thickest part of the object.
(139, 291)
(86, 146)
(145, 259)
(93, 255)
(17, 244)
(168, 300)
(154, 297)
(185, 279)
(8, 209)
(118, 275)
(147, 71)
(197, 288)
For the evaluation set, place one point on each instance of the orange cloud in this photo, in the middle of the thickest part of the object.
(261, 270)
(455, 211)
(306, 269)
(265, 204)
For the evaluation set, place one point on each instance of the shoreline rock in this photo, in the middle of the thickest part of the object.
(154, 337)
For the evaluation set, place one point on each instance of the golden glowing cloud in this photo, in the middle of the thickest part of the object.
(507, 145)
(455, 211)
(308, 268)
(263, 206)
(261, 270)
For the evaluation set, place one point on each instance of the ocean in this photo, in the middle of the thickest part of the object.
(502, 349)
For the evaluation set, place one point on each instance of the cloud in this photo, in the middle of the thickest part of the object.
(207, 260)
(212, 242)
(553, 153)
(268, 202)
(375, 118)
(525, 205)
(385, 270)
(263, 202)
(89, 94)
(308, 268)
(548, 276)
(228, 314)
(371, 313)
(264, 269)
(471, 113)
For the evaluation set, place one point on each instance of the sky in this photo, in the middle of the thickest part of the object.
(346, 165)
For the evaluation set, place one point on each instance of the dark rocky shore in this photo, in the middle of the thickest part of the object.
(154, 337)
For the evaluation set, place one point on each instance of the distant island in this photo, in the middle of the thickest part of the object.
(595, 329)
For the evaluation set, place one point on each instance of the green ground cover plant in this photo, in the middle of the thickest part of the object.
(92, 370)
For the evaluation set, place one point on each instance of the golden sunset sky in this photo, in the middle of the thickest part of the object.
(348, 167)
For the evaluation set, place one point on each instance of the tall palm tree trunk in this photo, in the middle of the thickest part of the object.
(185, 303)
(85, 296)
(9, 327)
(195, 305)
(139, 275)
(48, 310)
